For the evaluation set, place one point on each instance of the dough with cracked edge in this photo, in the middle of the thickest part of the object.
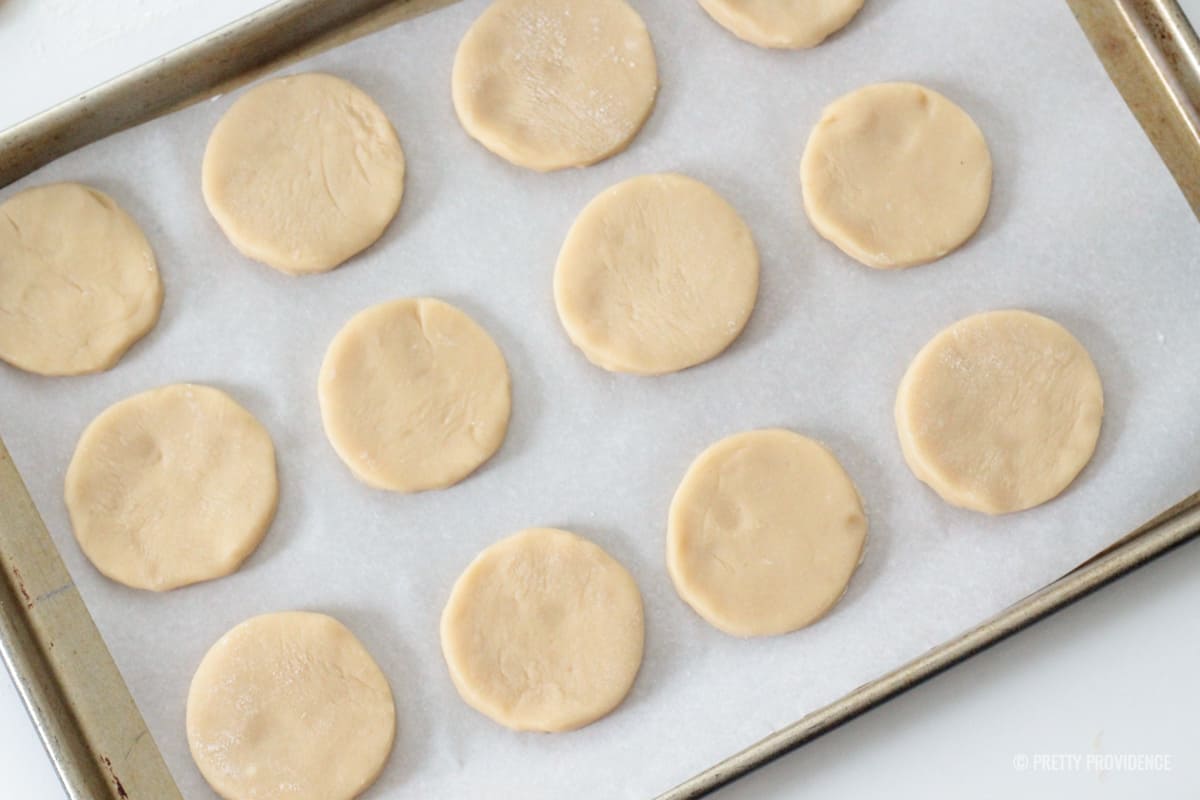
(543, 632)
(414, 395)
(78, 281)
(788, 24)
(171, 487)
(658, 273)
(764, 533)
(548, 84)
(896, 175)
(290, 705)
(303, 172)
(1000, 411)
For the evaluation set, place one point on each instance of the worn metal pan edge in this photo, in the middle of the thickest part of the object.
(1156, 538)
(1152, 55)
(282, 33)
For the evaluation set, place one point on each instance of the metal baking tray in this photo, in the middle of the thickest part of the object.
(78, 701)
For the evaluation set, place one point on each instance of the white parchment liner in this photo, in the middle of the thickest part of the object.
(1085, 226)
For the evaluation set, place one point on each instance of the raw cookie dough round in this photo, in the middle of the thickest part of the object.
(548, 84)
(414, 395)
(786, 24)
(764, 533)
(657, 274)
(1000, 411)
(303, 172)
(290, 705)
(78, 281)
(896, 175)
(172, 486)
(543, 632)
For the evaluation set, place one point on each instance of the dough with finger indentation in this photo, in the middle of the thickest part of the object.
(764, 532)
(78, 281)
(290, 705)
(1000, 411)
(896, 175)
(543, 631)
(414, 395)
(303, 172)
(172, 486)
(657, 274)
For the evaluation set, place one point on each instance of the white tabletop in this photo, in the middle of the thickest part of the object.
(1096, 702)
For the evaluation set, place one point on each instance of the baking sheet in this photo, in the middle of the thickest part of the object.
(1085, 226)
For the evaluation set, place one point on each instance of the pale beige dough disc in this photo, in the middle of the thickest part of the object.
(548, 84)
(764, 533)
(896, 175)
(657, 274)
(291, 706)
(171, 487)
(303, 172)
(785, 24)
(543, 632)
(1000, 411)
(414, 395)
(78, 281)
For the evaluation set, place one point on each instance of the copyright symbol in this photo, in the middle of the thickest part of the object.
(1020, 762)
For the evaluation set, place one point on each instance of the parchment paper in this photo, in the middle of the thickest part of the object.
(1085, 226)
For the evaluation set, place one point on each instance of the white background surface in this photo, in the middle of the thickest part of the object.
(1101, 678)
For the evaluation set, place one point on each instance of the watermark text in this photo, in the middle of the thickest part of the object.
(1093, 762)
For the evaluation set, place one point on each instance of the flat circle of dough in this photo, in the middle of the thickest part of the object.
(414, 395)
(543, 632)
(290, 705)
(171, 487)
(787, 24)
(548, 84)
(303, 172)
(1000, 411)
(657, 274)
(78, 281)
(764, 533)
(896, 175)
